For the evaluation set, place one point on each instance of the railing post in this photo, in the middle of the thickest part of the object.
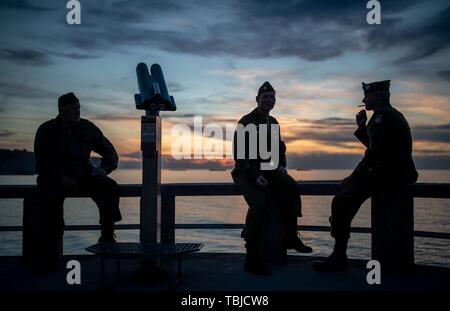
(30, 230)
(271, 240)
(42, 242)
(168, 219)
(393, 229)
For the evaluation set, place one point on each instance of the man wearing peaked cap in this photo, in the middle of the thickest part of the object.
(374, 87)
(387, 165)
(256, 182)
(265, 87)
(62, 149)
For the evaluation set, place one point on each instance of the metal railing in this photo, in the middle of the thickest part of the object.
(170, 191)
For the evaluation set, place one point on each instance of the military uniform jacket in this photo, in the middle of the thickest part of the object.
(388, 157)
(61, 150)
(251, 167)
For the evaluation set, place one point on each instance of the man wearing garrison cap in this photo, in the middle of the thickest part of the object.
(387, 166)
(62, 150)
(256, 183)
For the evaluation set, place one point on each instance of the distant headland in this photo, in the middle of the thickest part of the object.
(16, 162)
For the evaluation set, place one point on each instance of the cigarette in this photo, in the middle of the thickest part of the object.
(361, 106)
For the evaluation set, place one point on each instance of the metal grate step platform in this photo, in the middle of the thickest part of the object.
(133, 250)
(127, 250)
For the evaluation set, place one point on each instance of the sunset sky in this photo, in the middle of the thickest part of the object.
(215, 55)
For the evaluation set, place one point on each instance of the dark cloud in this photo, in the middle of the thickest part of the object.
(443, 126)
(188, 118)
(170, 163)
(310, 161)
(349, 161)
(430, 151)
(23, 5)
(175, 87)
(332, 131)
(112, 117)
(177, 115)
(39, 57)
(120, 111)
(348, 11)
(444, 75)
(339, 131)
(432, 133)
(73, 55)
(420, 40)
(329, 137)
(6, 133)
(133, 155)
(342, 123)
(126, 12)
(25, 91)
(25, 57)
(310, 30)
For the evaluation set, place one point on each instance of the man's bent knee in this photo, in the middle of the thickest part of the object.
(339, 202)
(106, 182)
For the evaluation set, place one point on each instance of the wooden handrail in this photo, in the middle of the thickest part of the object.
(398, 207)
(419, 190)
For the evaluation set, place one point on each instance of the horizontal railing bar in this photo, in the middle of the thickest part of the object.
(420, 190)
(434, 235)
(422, 234)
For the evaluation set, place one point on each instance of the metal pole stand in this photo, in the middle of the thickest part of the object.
(153, 97)
(150, 207)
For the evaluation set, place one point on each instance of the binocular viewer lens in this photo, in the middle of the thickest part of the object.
(153, 90)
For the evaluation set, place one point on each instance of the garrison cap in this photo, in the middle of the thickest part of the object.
(379, 86)
(67, 99)
(265, 87)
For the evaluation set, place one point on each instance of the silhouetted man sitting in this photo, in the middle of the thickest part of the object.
(256, 183)
(62, 151)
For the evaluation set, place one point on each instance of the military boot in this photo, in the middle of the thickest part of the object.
(337, 261)
(332, 263)
(107, 238)
(297, 244)
(107, 234)
(253, 262)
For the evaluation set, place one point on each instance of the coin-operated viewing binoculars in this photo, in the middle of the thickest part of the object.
(153, 90)
(153, 97)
